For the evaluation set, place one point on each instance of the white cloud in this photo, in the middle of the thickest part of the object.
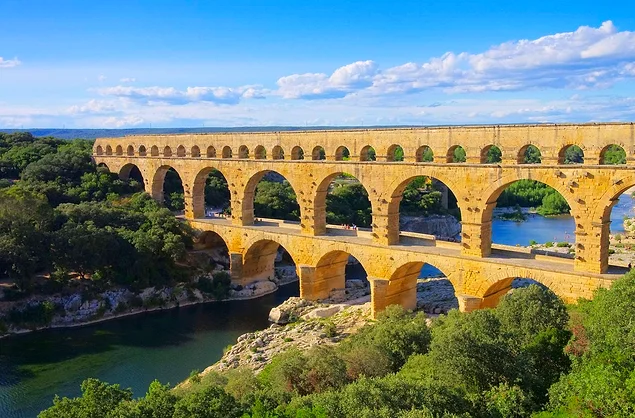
(101, 78)
(154, 94)
(6, 63)
(128, 80)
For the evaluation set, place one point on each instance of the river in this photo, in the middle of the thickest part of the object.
(132, 351)
(168, 345)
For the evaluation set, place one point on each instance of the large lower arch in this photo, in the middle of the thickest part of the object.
(158, 182)
(249, 194)
(259, 261)
(329, 275)
(131, 171)
(198, 205)
(216, 247)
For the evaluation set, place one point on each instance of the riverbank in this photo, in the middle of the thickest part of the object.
(76, 310)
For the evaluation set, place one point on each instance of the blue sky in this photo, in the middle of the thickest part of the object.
(88, 64)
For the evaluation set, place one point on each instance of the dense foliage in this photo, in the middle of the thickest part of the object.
(61, 214)
(531, 193)
(524, 358)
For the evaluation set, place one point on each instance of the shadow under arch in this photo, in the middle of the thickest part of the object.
(448, 198)
(320, 201)
(330, 274)
(131, 171)
(297, 153)
(216, 248)
(259, 261)
(199, 201)
(249, 195)
(437, 291)
(159, 182)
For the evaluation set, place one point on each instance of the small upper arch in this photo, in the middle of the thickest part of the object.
(613, 154)
(227, 152)
(297, 153)
(154, 151)
(368, 154)
(142, 151)
(456, 154)
(119, 150)
(180, 151)
(571, 154)
(108, 150)
(342, 153)
(167, 151)
(529, 154)
(130, 150)
(277, 153)
(99, 150)
(243, 152)
(424, 154)
(491, 154)
(395, 153)
(211, 152)
(318, 153)
(260, 153)
(195, 152)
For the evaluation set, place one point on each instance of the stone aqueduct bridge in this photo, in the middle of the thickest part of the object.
(480, 272)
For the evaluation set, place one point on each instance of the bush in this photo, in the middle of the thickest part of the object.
(548, 244)
(195, 376)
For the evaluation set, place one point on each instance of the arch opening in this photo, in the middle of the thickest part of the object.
(318, 153)
(227, 152)
(335, 272)
(99, 150)
(168, 188)
(420, 285)
(211, 152)
(243, 152)
(297, 153)
(529, 154)
(180, 151)
(277, 153)
(531, 213)
(426, 205)
(395, 153)
(108, 150)
(368, 154)
(269, 195)
(456, 154)
(195, 152)
(142, 151)
(342, 154)
(211, 197)
(130, 151)
(617, 232)
(119, 150)
(342, 201)
(504, 287)
(260, 153)
(154, 151)
(571, 154)
(613, 155)
(491, 154)
(266, 260)
(210, 253)
(131, 172)
(424, 154)
(167, 152)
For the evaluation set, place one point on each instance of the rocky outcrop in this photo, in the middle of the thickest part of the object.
(441, 226)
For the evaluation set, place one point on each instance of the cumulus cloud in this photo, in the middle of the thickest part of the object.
(128, 80)
(156, 94)
(6, 63)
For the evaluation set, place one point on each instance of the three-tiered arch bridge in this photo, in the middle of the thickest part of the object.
(481, 272)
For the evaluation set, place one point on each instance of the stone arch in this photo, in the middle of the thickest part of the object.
(198, 191)
(212, 240)
(167, 151)
(158, 180)
(402, 285)
(341, 153)
(104, 166)
(456, 154)
(320, 204)
(277, 153)
(260, 153)
(318, 153)
(142, 151)
(131, 171)
(498, 284)
(180, 151)
(243, 152)
(130, 151)
(211, 152)
(195, 152)
(566, 156)
(491, 154)
(525, 155)
(330, 273)
(227, 152)
(154, 151)
(108, 150)
(297, 153)
(367, 154)
(613, 154)
(395, 153)
(395, 198)
(259, 260)
(424, 154)
(249, 194)
(119, 150)
(99, 150)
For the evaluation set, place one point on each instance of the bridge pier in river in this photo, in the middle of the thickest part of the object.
(481, 272)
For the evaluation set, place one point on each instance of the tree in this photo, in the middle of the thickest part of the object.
(276, 200)
(614, 154)
(494, 155)
(211, 402)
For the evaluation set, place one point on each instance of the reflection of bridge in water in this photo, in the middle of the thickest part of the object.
(479, 271)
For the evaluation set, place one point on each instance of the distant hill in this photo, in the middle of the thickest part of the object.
(100, 133)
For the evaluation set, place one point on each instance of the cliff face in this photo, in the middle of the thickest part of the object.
(442, 226)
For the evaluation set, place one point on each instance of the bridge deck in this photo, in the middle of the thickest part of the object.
(426, 244)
